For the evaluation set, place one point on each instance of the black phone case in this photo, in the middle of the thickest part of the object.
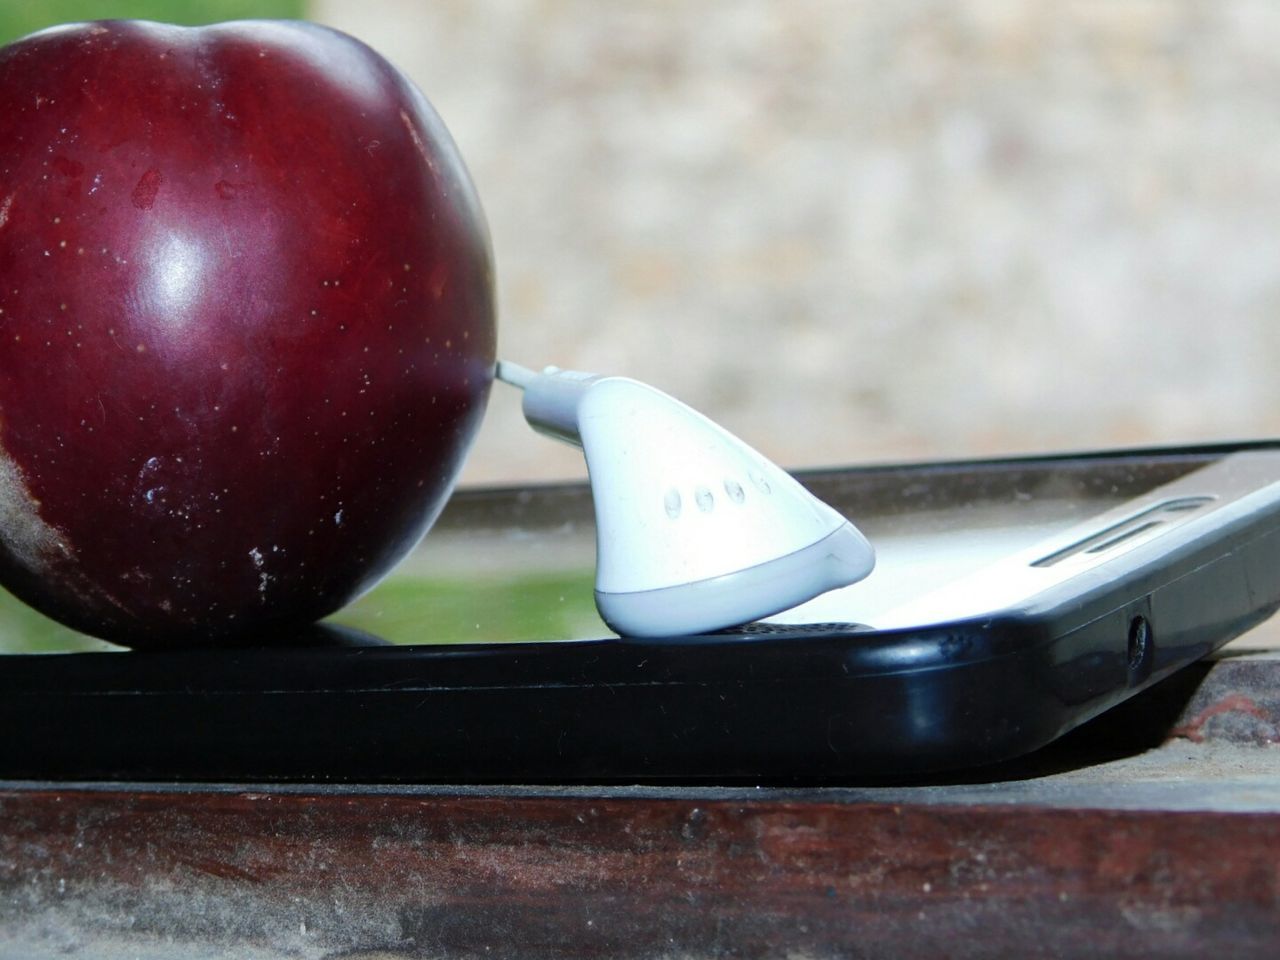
(817, 703)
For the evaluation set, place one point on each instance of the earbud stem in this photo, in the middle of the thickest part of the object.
(552, 398)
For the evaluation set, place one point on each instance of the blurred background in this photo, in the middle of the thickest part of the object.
(856, 231)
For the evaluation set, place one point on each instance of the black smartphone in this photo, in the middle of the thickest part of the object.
(1012, 601)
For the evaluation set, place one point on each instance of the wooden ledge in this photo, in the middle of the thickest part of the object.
(1103, 846)
(161, 874)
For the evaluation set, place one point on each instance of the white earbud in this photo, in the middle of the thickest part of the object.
(695, 531)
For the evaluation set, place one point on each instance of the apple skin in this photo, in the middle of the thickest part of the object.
(246, 325)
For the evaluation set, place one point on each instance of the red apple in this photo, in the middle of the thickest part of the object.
(246, 325)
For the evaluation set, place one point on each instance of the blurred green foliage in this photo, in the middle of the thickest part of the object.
(479, 610)
(20, 17)
(23, 630)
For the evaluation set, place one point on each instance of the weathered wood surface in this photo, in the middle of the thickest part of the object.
(314, 876)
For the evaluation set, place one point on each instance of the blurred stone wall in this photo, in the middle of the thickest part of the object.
(867, 231)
